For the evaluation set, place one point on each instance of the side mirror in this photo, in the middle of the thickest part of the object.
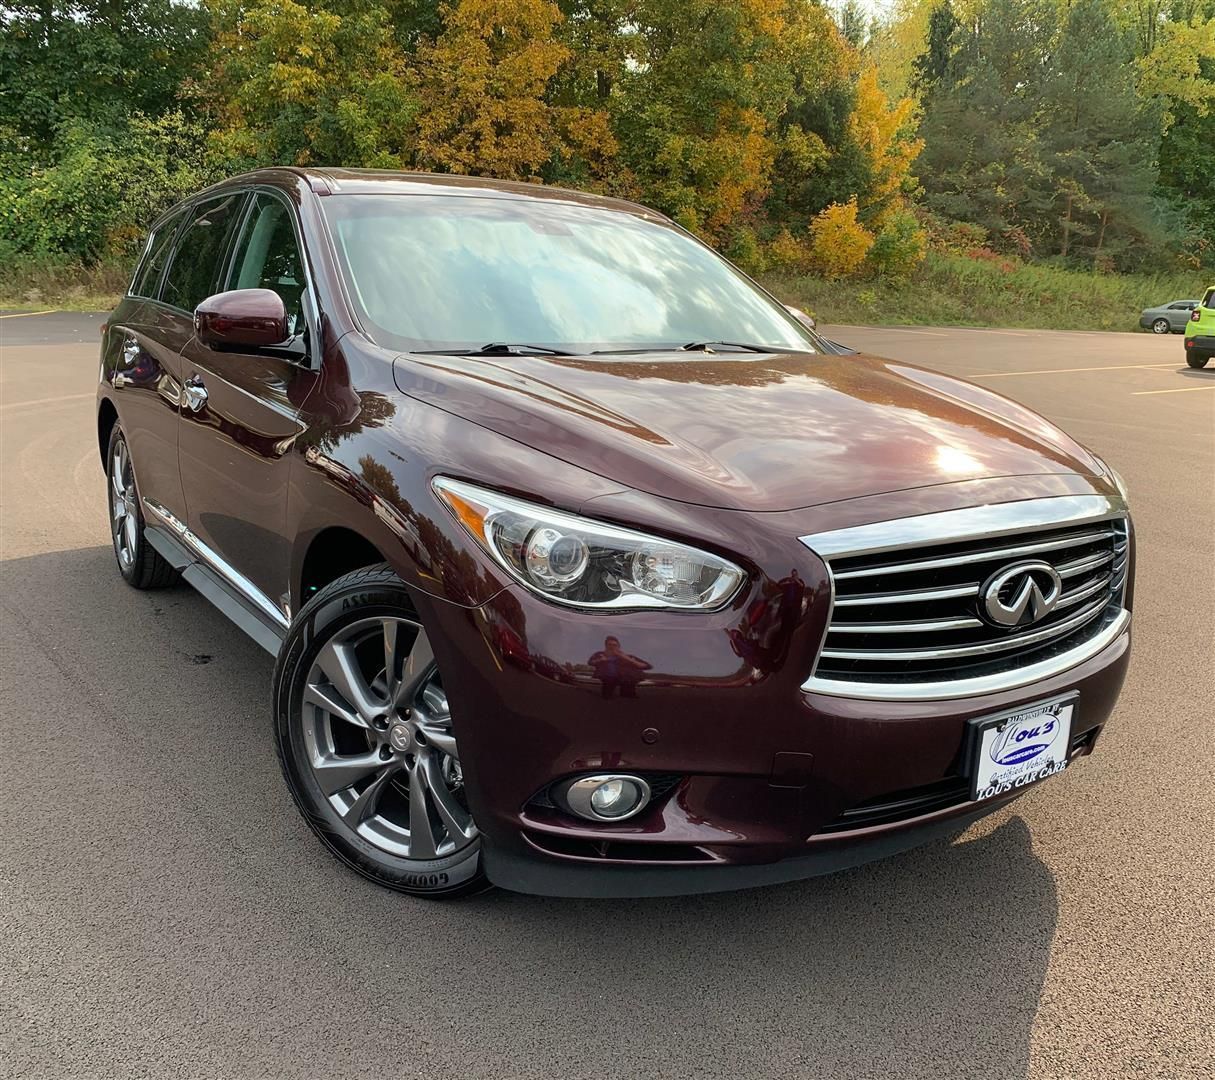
(801, 316)
(242, 319)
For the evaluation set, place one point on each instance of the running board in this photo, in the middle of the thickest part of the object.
(260, 626)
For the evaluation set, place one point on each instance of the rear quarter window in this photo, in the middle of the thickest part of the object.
(156, 252)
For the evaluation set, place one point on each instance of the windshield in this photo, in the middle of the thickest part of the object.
(440, 272)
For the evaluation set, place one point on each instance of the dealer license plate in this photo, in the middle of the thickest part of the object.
(1017, 749)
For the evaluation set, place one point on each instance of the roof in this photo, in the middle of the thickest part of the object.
(334, 181)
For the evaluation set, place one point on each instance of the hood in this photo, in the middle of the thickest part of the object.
(748, 431)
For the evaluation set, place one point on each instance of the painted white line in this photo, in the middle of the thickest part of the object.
(27, 314)
(888, 329)
(1178, 390)
(1067, 370)
(44, 401)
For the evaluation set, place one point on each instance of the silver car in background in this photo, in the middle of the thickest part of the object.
(1168, 318)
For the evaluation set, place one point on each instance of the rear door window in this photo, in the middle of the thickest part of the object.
(1208, 301)
(268, 257)
(199, 253)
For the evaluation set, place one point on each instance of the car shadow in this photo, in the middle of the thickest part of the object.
(1206, 373)
(197, 881)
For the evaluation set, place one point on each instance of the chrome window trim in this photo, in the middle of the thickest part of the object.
(224, 569)
(959, 526)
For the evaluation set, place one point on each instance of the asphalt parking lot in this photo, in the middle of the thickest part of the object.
(165, 913)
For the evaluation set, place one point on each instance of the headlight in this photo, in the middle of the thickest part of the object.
(584, 563)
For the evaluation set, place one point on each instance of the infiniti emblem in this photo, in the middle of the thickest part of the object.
(1021, 594)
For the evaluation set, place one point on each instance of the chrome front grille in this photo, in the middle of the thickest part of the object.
(909, 619)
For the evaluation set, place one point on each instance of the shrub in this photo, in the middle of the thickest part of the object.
(787, 254)
(106, 184)
(744, 250)
(899, 248)
(838, 242)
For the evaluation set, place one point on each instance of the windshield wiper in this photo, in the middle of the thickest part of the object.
(707, 346)
(495, 348)
(692, 346)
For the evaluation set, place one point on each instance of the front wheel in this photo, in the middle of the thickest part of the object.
(1162, 326)
(1196, 359)
(364, 734)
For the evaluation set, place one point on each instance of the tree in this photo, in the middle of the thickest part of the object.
(1099, 141)
(483, 83)
(886, 137)
(295, 84)
(931, 66)
(699, 97)
(96, 61)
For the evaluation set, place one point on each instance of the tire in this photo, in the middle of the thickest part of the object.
(1196, 359)
(1162, 326)
(140, 564)
(364, 737)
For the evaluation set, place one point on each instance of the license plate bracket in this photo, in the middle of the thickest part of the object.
(1011, 750)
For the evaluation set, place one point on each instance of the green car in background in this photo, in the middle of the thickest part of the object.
(1200, 332)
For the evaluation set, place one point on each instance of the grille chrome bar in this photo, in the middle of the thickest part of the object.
(938, 563)
(1102, 584)
(977, 556)
(924, 626)
(1003, 645)
(973, 686)
(1079, 566)
(909, 597)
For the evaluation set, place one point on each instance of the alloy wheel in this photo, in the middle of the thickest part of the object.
(378, 737)
(1161, 326)
(124, 514)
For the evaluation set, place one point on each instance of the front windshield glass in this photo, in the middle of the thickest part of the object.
(441, 272)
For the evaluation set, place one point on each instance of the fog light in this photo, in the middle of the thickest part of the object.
(606, 798)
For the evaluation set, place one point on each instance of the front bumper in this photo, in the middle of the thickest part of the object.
(771, 777)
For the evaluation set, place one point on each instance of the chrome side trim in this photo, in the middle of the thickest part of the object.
(224, 569)
(970, 523)
(944, 690)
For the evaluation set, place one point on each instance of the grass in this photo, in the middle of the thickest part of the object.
(62, 285)
(959, 291)
(946, 290)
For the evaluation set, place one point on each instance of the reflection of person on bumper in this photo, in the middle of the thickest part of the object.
(615, 668)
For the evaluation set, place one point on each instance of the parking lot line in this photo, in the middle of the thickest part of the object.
(26, 314)
(1068, 370)
(42, 401)
(1176, 390)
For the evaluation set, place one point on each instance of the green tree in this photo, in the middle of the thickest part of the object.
(95, 61)
(293, 84)
(1099, 140)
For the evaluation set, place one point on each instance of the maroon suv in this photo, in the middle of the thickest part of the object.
(591, 569)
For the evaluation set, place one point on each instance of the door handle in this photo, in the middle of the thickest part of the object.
(195, 392)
